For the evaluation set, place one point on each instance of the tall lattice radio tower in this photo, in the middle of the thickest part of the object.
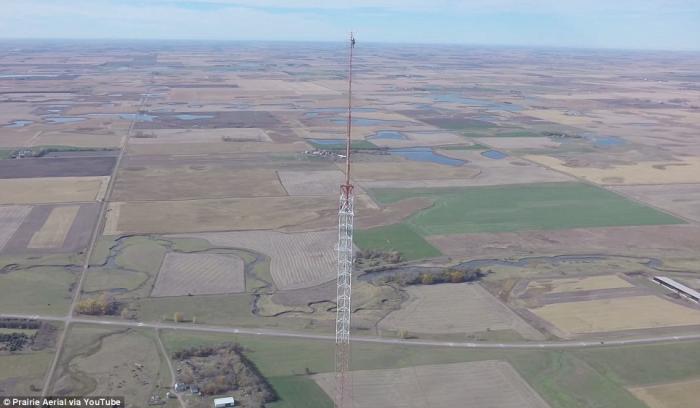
(343, 382)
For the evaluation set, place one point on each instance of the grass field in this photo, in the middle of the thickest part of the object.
(40, 290)
(469, 385)
(299, 392)
(23, 374)
(523, 207)
(397, 237)
(503, 209)
(455, 308)
(563, 379)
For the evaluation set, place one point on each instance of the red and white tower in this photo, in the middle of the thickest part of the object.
(346, 213)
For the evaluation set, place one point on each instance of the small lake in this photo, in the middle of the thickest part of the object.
(368, 122)
(327, 142)
(63, 119)
(494, 154)
(388, 135)
(425, 154)
(138, 117)
(18, 124)
(481, 103)
(608, 141)
(188, 116)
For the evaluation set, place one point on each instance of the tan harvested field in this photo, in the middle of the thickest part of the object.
(97, 140)
(199, 274)
(681, 199)
(674, 395)
(409, 172)
(627, 313)
(228, 214)
(662, 240)
(55, 228)
(478, 384)
(175, 136)
(216, 148)
(519, 142)
(302, 183)
(455, 308)
(200, 181)
(667, 172)
(11, 217)
(297, 260)
(52, 190)
(580, 284)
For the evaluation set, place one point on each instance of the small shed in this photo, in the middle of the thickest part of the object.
(224, 402)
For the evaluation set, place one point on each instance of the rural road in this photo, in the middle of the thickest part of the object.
(360, 339)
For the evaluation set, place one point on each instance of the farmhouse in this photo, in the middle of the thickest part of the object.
(224, 402)
(680, 288)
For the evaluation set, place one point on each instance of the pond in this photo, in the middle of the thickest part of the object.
(188, 116)
(608, 141)
(481, 103)
(368, 122)
(388, 134)
(18, 124)
(63, 119)
(425, 154)
(494, 154)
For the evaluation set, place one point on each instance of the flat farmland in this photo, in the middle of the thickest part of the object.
(11, 217)
(52, 190)
(54, 228)
(674, 395)
(199, 274)
(681, 199)
(505, 142)
(215, 148)
(666, 172)
(660, 240)
(297, 260)
(471, 385)
(617, 314)
(210, 120)
(455, 308)
(506, 171)
(301, 183)
(579, 284)
(221, 215)
(407, 172)
(176, 136)
(188, 181)
(57, 167)
(522, 207)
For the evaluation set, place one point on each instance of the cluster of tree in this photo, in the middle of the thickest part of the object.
(223, 369)
(98, 306)
(14, 341)
(19, 324)
(374, 258)
(447, 276)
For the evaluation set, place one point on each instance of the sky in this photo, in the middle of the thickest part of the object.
(623, 24)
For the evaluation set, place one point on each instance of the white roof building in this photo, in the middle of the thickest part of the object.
(678, 287)
(224, 402)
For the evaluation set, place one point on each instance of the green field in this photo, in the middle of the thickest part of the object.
(397, 237)
(355, 144)
(565, 379)
(544, 206)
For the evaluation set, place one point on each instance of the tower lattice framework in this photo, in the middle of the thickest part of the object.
(346, 214)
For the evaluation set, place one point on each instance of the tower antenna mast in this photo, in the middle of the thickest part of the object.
(343, 382)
